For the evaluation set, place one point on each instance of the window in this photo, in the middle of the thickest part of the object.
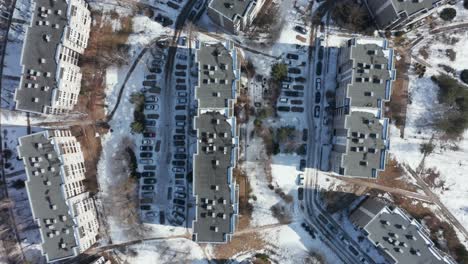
(363, 163)
(371, 52)
(373, 135)
(367, 93)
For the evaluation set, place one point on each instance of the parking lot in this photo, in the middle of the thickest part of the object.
(164, 150)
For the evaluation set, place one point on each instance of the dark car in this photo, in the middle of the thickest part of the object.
(178, 163)
(180, 117)
(147, 187)
(180, 107)
(178, 218)
(173, 5)
(149, 181)
(294, 70)
(317, 97)
(151, 76)
(316, 111)
(300, 29)
(305, 134)
(179, 137)
(178, 80)
(165, 21)
(149, 83)
(298, 87)
(296, 102)
(291, 93)
(158, 146)
(149, 167)
(284, 108)
(155, 70)
(181, 67)
(302, 165)
(148, 174)
(292, 56)
(145, 207)
(300, 79)
(180, 73)
(353, 250)
(181, 87)
(179, 176)
(180, 131)
(297, 109)
(146, 155)
(180, 156)
(149, 134)
(178, 201)
(146, 148)
(179, 143)
(150, 98)
(178, 169)
(150, 123)
(152, 116)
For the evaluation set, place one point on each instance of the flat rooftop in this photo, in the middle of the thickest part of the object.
(365, 144)
(216, 76)
(211, 184)
(399, 235)
(38, 79)
(44, 187)
(371, 73)
(231, 8)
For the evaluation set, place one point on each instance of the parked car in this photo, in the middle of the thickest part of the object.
(179, 80)
(149, 167)
(149, 181)
(297, 109)
(317, 111)
(302, 165)
(147, 142)
(179, 189)
(180, 195)
(178, 169)
(178, 163)
(149, 134)
(173, 5)
(180, 156)
(178, 218)
(151, 98)
(294, 70)
(146, 161)
(181, 56)
(150, 123)
(179, 209)
(180, 107)
(300, 29)
(180, 73)
(180, 131)
(283, 100)
(164, 20)
(155, 70)
(305, 134)
(146, 154)
(182, 94)
(181, 66)
(180, 123)
(179, 143)
(152, 116)
(158, 146)
(151, 77)
(298, 87)
(284, 108)
(292, 56)
(182, 40)
(179, 182)
(151, 107)
(180, 117)
(145, 207)
(147, 187)
(179, 176)
(317, 97)
(180, 150)
(181, 100)
(285, 86)
(150, 214)
(300, 79)
(147, 194)
(181, 87)
(318, 84)
(146, 148)
(296, 102)
(148, 174)
(179, 137)
(178, 201)
(300, 179)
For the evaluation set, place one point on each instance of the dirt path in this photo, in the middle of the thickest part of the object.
(372, 185)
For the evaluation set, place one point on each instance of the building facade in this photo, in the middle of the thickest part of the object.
(214, 187)
(62, 208)
(51, 78)
(399, 237)
(396, 14)
(234, 15)
(360, 131)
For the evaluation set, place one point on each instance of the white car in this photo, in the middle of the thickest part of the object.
(283, 100)
(300, 179)
(147, 142)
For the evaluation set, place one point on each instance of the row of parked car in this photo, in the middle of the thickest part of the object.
(179, 159)
(149, 145)
(293, 87)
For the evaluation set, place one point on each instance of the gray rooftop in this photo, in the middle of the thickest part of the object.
(397, 234)
(365, 145)
(36, 48)
(231, 8)
(44, 186)
(215, 64)
(385, 12)
(211, 185)
(371, 74)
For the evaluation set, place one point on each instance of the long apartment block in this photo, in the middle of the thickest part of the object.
(234, 15)
(399, 237)
(57, 36)
(214, 188)
(395, 14)
(360, 131)
(61, 206)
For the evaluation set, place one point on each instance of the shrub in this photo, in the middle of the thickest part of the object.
(448, 14)
(137, 127)
(301, 150)
(464, 75)
(318, 71)
(279, 72)
(18, 184)
(426, 148)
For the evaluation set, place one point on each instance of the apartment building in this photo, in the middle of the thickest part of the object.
(62, 208)
(101, 260)
(51, 78)
(360, 131)
(214, 188)
(399, 237)
(396, 14)
(234, 15)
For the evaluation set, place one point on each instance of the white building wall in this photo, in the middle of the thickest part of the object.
(84, 214)
(79, 23)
